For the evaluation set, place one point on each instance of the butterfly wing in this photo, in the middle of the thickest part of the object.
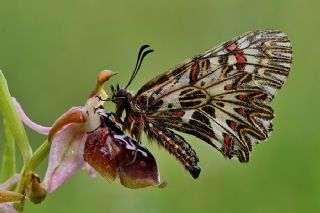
(222, 96)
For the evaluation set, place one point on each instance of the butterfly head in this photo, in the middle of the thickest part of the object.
(121, 97)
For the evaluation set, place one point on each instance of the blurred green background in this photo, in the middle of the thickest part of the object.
(51, 52)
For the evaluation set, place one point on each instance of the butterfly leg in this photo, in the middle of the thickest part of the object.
(135, 155)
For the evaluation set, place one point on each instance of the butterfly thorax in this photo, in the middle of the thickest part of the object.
(137, 120)
(133, 121)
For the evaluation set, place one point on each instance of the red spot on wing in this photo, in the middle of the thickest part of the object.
(178, 113)
(240, 61)
(232, 47)
(227, 139)
(228, 87)
(242, 97)
(226, 147)
(233, 125)
(194, 73)
(240, 58)
(241, 111)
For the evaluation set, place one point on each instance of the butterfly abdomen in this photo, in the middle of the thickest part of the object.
(177, 146)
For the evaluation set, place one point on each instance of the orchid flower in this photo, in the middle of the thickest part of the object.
(87, 137)
(83, 137)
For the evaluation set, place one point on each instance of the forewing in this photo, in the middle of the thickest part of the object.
(265, 54)
(222, 96)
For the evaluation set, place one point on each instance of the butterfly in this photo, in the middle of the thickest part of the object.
(222, 96)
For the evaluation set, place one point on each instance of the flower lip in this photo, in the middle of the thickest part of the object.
(114, 155)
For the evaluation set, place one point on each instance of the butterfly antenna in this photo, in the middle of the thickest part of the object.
(141, 55)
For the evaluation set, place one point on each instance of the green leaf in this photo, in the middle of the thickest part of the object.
(13, 120)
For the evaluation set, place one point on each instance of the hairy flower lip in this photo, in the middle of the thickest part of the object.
(114, 154)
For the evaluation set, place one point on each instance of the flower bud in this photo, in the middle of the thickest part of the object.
(35, 190)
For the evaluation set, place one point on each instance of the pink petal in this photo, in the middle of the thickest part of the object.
(27, 121)
(10, 182)
(90, 170)
(7, 208)
(66, 155)
(73, 116)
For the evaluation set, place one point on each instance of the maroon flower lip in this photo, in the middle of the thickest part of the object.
(114, 155)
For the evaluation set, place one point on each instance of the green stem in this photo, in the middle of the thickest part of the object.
(14, 123)
(13, 120)
(25, 176)
(39, 155)
(9, 158)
